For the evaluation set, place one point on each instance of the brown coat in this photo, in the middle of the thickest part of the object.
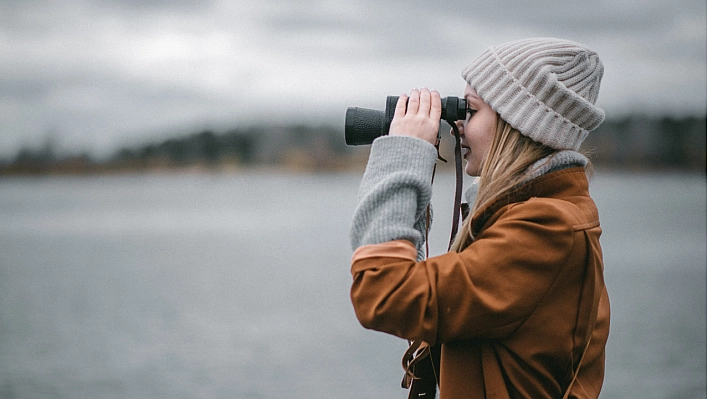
(514, 310)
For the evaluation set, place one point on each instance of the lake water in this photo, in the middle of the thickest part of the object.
(237, 286)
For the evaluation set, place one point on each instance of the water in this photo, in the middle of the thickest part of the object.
(237, 286)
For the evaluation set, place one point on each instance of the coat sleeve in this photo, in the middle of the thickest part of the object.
(485, 291)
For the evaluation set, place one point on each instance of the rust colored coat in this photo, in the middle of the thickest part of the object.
(514, 311)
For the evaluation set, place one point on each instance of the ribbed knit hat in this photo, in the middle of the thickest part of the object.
(545, 88)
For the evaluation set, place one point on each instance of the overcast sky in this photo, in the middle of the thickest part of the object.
(95, 75)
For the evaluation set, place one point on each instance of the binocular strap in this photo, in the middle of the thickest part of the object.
(421, 362)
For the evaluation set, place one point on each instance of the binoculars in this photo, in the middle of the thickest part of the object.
(362, 126)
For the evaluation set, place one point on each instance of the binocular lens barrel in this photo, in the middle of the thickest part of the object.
(362, 126)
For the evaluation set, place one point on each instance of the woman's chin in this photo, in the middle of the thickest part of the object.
(471, 169)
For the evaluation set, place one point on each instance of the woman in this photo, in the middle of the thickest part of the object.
(518, 306)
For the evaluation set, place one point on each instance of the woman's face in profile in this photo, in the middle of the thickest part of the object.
(476, 131)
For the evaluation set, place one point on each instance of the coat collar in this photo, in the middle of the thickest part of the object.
(564, 183)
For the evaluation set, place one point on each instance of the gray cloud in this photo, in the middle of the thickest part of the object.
(104, 73)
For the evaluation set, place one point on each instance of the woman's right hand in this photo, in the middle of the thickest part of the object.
(421, 118)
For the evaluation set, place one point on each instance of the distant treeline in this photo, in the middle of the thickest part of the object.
(633, 142)
(638, 142)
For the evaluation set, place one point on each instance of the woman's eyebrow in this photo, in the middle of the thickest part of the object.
(470, 96)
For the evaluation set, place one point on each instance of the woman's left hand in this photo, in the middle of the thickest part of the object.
(421, 119)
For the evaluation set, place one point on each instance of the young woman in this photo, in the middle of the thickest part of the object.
(519, 305)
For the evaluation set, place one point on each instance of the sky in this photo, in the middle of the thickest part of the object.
(97, 75)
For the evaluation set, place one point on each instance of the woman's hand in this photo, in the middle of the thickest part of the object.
(422, 117)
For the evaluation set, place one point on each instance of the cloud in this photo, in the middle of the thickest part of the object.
(104, 73)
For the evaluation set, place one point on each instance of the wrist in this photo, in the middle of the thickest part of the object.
(403, 153)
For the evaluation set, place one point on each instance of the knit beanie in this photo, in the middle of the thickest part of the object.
(545, 88)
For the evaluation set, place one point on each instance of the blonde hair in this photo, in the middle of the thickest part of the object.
(507, 160)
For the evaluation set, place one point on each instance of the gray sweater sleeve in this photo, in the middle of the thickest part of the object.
(394, 192)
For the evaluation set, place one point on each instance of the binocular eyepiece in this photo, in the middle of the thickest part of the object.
(363, 125)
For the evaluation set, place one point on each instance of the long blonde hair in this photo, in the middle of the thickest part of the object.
(508, 158)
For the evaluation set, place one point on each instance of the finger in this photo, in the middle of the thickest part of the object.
(424, 107)
(414, 102)
(435, 105)
(400, 110)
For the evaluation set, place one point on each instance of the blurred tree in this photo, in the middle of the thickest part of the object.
(631, 142)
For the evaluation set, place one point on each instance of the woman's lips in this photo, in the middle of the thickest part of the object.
(465, 151)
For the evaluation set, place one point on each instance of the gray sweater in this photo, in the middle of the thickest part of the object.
(394, 192)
